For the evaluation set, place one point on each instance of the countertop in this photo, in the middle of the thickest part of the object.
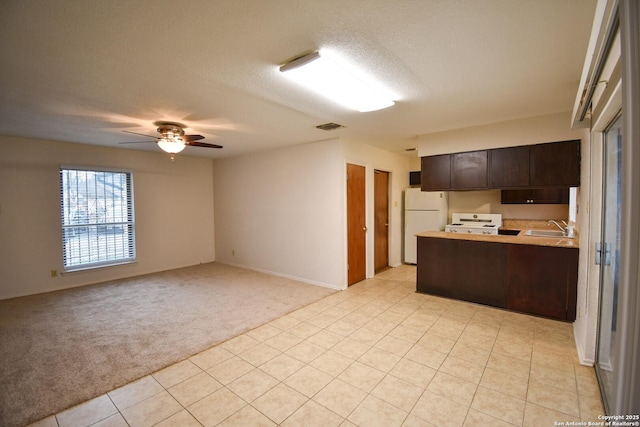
(520, 239)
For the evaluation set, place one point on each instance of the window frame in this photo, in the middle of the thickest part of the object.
(93, 231)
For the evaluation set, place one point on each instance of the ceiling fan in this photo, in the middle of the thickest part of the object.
(172, 138)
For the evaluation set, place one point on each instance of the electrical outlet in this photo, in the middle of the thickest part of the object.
(54, 273)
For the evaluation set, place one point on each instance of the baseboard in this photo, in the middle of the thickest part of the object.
(586, 361)
(286, 276)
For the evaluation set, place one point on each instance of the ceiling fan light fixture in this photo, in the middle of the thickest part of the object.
(171, 144)
(173, 139)
(326, 75)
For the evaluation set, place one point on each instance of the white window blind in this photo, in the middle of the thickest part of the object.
(98, 227)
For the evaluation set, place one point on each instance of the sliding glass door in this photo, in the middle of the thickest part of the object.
(608, 252)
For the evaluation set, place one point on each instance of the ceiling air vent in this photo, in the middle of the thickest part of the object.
(329, 126)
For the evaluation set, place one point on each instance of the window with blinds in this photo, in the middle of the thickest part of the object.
(98, 227)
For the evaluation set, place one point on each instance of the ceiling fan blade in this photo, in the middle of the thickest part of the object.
(202, 144)
(141, 134)
(193, 137)
(137, 142)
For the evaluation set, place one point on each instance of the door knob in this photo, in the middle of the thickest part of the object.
(364, 229)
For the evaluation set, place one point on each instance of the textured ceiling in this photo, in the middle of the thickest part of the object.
(85, 71)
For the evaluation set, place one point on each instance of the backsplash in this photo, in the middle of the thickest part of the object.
(528, 224)
(489, 202)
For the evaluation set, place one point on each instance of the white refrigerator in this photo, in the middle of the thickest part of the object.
(423, 211)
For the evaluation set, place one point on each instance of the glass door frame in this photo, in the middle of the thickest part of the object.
(608, 253)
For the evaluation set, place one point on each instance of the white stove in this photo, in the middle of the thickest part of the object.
(474, 223)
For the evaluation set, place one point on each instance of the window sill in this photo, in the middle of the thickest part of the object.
(88, 269)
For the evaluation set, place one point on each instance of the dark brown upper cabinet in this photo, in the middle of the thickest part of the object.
(469, 170)
(536, 196)
(435, 173)
(509, 167)
(555, 164)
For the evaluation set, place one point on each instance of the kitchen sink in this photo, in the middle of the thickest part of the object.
(544, 233)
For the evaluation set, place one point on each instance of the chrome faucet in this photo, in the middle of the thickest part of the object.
(566, 230)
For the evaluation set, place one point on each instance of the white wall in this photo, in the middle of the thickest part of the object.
(414, 162)
(284, 211)
(532, 130)
(280, 211)
(587, 307)
(173, 211)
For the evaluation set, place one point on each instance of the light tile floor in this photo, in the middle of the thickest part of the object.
(377, 354)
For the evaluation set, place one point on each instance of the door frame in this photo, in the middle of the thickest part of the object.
(624, 95)
(589, 238)
(628, 388)
(395, 215)
(602, 268)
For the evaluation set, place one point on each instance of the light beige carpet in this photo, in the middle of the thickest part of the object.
(62, 348)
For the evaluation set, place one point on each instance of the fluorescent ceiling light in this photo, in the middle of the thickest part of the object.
(328, 77)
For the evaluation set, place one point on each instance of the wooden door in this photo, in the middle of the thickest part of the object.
(381, 221)
(356, 224)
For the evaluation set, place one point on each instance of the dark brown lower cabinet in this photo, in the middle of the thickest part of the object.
(543, 280)
(540, 280)
(458, 269)
(438, 276)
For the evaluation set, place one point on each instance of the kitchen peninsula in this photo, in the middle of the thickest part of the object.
(527, 274)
